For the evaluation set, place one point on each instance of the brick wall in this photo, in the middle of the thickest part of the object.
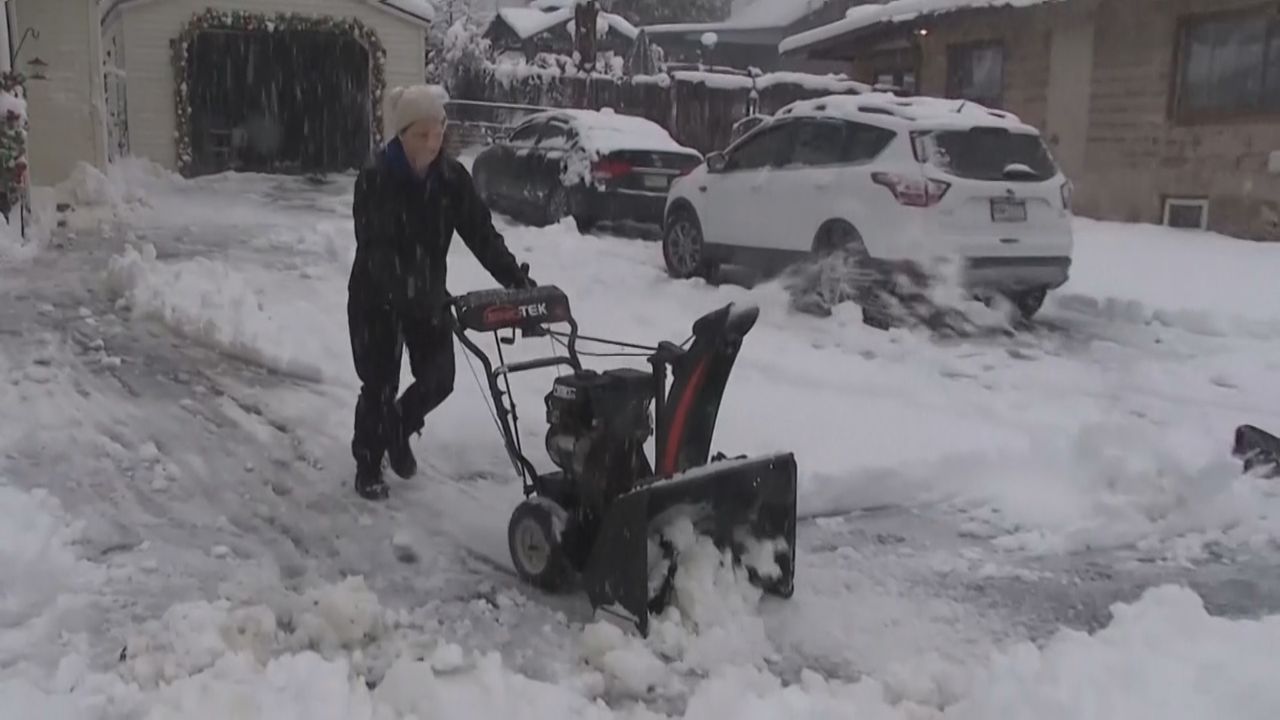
(1136, 154)
(1025, 33)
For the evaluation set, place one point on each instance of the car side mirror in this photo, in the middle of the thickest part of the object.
(716, 161)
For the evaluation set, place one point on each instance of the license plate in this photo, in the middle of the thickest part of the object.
(655, 182)
(1008, 210)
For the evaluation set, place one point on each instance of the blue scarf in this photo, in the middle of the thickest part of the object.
(398, 159)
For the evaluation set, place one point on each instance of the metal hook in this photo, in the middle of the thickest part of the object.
(29, 32)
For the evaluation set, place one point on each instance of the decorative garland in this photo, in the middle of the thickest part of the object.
(13, 144)
(239, 20)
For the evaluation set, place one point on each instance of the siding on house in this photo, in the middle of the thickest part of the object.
(149, 28)
(1137, 154)
(66, 110)
(115, 85)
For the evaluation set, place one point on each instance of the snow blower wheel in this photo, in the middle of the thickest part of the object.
(594, 516)
(534, 542)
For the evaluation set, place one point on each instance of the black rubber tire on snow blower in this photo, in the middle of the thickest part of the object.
(536, 551)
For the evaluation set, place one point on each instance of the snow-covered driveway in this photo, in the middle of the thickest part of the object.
(178, 535)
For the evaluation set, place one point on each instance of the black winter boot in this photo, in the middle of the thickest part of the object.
(369, 483)
(400, 458)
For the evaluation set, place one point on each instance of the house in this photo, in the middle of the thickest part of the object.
(750, 36)
(547, 26)
(203, 86)
(56, 46)
(1163, 111)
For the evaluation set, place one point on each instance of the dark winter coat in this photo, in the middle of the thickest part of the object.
(404, 226)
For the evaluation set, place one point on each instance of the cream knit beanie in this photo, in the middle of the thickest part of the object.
(407, 105)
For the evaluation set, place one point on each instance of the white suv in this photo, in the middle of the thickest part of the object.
(894, 182)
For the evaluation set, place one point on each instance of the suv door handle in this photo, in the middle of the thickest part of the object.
(702, 188)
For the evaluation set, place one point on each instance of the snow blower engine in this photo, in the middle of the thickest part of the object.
(599, 518)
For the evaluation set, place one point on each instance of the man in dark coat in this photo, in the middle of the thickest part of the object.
(408, 202)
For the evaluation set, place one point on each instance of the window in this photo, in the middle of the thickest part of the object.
(1229, 64)
(983, 153)
(765, 148)
(976, 72)
(831, 142)
(894, 67)
(554, 135)
(902, 79)
(526, 134)
(1192, 213)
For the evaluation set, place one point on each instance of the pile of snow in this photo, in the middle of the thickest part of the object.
(43, 576)
(1112, 485)
(1161, 656)
(712, 620)
(210, 303)
(1224, 286)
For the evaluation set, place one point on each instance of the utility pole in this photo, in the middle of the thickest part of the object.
(586, 15)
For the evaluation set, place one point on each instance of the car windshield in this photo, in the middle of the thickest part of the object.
(991, 154)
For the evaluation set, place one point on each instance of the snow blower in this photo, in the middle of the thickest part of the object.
(1258, 450)
(599, 517)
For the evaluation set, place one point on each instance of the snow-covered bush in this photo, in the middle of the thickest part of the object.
(458, 56)
(13, 140)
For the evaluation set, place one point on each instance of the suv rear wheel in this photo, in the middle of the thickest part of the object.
(1028, 302)
(839, 269)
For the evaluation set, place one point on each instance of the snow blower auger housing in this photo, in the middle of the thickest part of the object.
(599, 516)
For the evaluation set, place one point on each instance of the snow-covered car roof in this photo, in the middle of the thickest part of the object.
(906, 113)
(607, 131)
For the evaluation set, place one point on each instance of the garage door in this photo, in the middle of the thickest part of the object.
(280, 102)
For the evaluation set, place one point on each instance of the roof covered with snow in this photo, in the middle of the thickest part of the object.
(527, 22)
(877, 107)
(421, 12)
(605, 131)
(893, 11)
(749, 15)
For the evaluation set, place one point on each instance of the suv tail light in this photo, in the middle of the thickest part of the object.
(610, 169)
(915, 192)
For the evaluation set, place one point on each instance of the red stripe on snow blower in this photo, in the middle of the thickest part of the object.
(675, 435)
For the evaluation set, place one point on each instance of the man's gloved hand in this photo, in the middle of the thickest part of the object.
(524, 282)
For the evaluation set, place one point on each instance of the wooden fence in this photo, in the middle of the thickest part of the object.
(698, 108)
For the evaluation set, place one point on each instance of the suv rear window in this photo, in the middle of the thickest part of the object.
(986, 154)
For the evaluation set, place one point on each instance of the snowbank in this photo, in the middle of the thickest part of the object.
(1161, 656)
(210, 303)
(36, 557)
(43, 576)
(1193, 280)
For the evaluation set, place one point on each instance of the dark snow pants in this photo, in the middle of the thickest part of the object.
(379, 335)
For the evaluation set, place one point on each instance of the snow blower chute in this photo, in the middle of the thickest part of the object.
(600, 515)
